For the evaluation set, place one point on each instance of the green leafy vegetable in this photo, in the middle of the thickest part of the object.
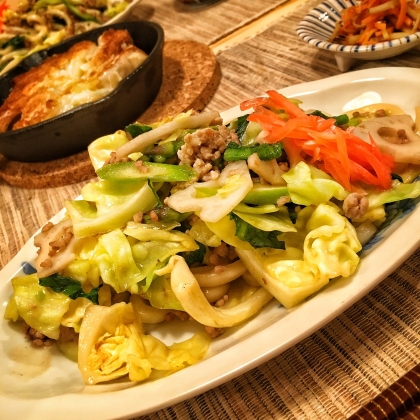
(196, 256)
(166, 149)
(264, 151)
(68, 286)
(256, 237)
(167, 215)
(17, 42)
(159, 203)
(236, 152)
(269, 151)
(339, 119)
(136, 129)
(242, 126)
(77, 12)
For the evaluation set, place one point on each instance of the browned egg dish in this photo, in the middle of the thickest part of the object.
(83, 74)
(55, 102)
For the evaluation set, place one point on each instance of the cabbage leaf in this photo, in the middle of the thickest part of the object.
(201, 233)
(278, 221)
(74, 316)
(40, 307)
(397, 192)
(325, 246)
(100, 149)
(116, 263)
(112, 344)
(107, 206)
(214, 199)
(225, 229)
(307, 185)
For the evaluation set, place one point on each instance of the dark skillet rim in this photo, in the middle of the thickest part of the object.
(72, 41)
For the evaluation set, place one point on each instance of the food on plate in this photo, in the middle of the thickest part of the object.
(83, 74)
(36, 25)
(372, 21)
(204, 222)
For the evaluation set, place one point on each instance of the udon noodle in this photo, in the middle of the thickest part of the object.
(41, 24)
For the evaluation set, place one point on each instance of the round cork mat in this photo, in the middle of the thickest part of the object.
(191, 75)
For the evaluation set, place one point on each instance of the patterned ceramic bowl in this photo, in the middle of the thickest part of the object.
(318, 25)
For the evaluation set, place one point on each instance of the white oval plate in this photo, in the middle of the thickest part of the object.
(43, 384)
(124, 14)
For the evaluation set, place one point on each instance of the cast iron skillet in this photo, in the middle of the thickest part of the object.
(71, 132)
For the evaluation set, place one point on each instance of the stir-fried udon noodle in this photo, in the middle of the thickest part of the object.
(201, 221)
(40, 24)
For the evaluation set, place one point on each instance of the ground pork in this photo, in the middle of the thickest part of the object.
(36, 338)
(113, 158)
(203, 147)
(355, 206)
(68, 335)
(171, 316)
(214, 332)
(221, 301)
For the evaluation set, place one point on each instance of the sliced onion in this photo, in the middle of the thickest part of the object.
(143, 141)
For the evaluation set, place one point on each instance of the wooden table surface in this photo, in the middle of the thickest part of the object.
(260, 50)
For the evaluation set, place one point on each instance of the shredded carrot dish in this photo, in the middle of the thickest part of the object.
(373, 21)
(347, 158)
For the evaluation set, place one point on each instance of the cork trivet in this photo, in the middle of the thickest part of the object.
(191, 75)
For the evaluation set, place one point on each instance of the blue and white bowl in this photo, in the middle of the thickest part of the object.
(318, 25)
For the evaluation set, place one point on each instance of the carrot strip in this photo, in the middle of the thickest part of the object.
(373, 21)
(283, 103)
(318, 141)
(261, 101)
(401, 16)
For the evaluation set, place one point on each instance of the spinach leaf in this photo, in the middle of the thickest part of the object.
(196, 256)
(269, 151)
(339, 119)
(70, 287)
(159, 203)
(17, 42)
(256, 237)
(136, 129)
(242, 126)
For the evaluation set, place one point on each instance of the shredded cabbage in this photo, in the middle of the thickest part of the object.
(213, 200)
(308, 185)
(325, 246)
(107, 206)
(112, 344)
(38, 306)
(279, 221)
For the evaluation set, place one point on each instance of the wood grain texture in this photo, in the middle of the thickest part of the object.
(278, 58)
(206, 25)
